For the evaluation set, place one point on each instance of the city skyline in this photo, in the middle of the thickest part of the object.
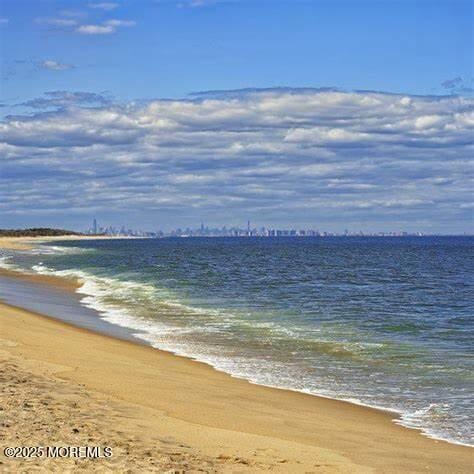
(249, 230)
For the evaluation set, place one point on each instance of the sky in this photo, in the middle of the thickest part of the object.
(157, 114)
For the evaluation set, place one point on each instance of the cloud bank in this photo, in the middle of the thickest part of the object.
(309, 157)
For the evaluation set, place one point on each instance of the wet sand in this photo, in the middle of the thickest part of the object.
(62, 385)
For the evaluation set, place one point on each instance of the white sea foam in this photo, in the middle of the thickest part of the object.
(57, 250)
(113, 300)
(7, 263)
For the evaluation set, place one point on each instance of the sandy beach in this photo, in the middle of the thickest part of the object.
(25, 243)
(67, 386)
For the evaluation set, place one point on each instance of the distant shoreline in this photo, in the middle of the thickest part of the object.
(47, 233)
(26, 243)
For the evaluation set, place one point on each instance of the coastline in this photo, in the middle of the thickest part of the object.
(25, 243)
(285, 426)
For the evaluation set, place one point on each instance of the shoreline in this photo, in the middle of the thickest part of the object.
(351, 438)
(73, 284)
(364, 436)
(25, 243)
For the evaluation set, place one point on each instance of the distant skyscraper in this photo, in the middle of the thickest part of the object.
(94, 226)
(248, 227)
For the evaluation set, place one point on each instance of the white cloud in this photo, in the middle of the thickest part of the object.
(106, 28)
(116, 23)
(369, 156)
(4, 21)
(74, 21)
(96, 29)
(197, 3)
(54, 65)
(107, 6)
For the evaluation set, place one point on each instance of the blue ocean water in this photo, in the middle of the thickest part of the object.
(386, 322)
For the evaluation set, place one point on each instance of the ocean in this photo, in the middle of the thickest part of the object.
(384, 322)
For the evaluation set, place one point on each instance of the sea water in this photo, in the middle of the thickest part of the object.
(385, 322)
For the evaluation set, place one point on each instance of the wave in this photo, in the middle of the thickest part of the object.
(137, 306)
(252, 346)
(57, 250)
(8, 257)
(6, 262)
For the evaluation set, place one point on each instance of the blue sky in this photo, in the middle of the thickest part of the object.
(176, 48)
(83, 89)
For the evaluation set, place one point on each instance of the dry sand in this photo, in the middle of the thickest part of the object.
(15, 243)
(26, 243)
(67, 386)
